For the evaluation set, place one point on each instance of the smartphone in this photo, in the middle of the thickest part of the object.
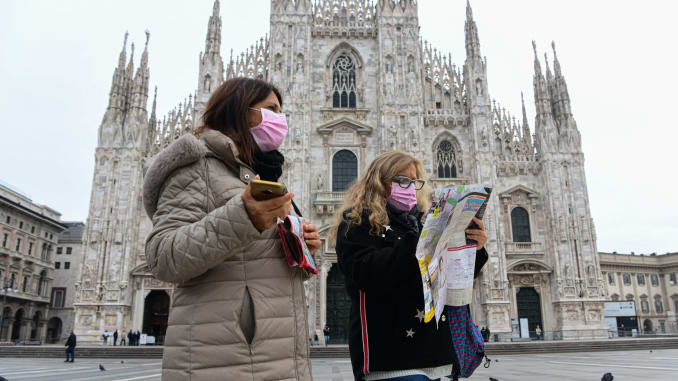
(265, 190)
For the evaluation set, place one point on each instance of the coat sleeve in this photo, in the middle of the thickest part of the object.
(186, 241)
(375, 270)
(481, 259)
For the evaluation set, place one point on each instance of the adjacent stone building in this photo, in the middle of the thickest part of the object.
(66, 273)
(358, 80)
(648, 280)
(28, 236)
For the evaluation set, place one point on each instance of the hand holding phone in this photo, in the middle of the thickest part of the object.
(266, 190)
(270, 204)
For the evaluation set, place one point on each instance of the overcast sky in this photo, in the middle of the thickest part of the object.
(619, 59)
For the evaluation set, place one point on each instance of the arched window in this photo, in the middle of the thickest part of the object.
(520, 223)
(641, 279)
(614, 297)
(344, 170)
(627, 279)
(610, 278)
(644, 305)
(654, 279)
(446, 160)
(343, 83)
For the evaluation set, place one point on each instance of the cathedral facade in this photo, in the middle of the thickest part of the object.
(358, 80)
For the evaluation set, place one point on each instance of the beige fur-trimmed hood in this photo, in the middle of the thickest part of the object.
(184, 151)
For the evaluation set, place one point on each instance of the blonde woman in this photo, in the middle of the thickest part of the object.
(377, 231)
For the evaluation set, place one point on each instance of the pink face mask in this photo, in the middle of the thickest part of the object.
(270, 133)
(403, 198)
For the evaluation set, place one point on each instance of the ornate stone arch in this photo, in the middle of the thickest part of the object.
(529, 266)
(344, 49)
(456, 147)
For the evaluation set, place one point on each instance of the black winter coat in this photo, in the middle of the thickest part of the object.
(386, 328)
(71, 341)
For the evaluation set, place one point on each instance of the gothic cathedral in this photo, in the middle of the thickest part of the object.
(357, 80)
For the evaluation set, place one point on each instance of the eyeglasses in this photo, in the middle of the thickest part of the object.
(405, 182)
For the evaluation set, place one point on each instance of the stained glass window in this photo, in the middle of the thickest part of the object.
(446, 160)
(343, 83)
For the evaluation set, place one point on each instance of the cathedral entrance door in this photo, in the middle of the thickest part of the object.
(338, 306)
(156, 312)
(529, 307)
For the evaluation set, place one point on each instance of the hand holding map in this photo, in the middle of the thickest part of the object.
(446, 258)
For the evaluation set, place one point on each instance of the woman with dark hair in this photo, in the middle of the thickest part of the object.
(238, 311)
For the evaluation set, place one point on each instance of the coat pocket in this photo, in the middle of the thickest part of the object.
(247, 318)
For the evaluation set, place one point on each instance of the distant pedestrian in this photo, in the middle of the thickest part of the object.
(105, 336)
(70, 347)
(138, 337)
(483, 333)
(538, 332)
(122, 339)
(326, 332)
(130, 337)
(115, 338)
(315, 338)
(487, 332)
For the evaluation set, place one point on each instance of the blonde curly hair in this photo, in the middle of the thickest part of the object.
(369, 192)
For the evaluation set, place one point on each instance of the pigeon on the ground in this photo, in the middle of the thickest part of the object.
(493, 379)
(101, 367)
(607, 377)
(122, 361)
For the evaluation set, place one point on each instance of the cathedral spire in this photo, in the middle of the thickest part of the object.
(537, 65)
(545, 130)
(213, 37)
(211, 67)
(472, 39)
(526, 126)
(123, 53)
(144, 55)
(556, 64)
(155, 97)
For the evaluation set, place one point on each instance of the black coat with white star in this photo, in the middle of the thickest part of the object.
(382, 275)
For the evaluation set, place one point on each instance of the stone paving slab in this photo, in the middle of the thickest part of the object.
(658, 365)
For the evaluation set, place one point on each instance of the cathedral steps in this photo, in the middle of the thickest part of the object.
(341, 351)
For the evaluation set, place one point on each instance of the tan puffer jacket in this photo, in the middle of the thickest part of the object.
(239, 311)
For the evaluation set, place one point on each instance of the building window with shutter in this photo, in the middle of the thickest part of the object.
(58, 297)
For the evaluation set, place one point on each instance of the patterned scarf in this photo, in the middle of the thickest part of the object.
(468, 343)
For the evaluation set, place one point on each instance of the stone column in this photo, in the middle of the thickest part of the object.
(138, 305)
(42, 331)
(324, 271)
(8, 332)
(25, 329)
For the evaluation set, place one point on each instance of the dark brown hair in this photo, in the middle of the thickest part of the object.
(227, 109)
